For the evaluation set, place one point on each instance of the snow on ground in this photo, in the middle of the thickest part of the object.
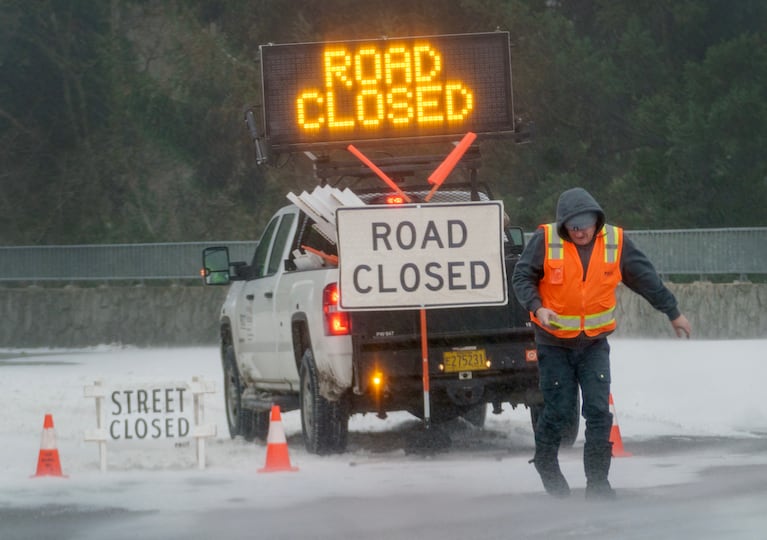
(661, 388)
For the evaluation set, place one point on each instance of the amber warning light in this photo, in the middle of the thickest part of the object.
(338, 92)
(395, 199)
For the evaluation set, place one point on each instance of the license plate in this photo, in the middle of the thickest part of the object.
(469, 360)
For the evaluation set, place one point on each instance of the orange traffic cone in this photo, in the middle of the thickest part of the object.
(48, 463)
(615, 434)
(277, 458)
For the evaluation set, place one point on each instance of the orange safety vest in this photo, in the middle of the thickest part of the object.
(582, 305)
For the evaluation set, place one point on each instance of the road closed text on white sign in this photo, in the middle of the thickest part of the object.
(149, 412)
(421, 256)
(167, 412)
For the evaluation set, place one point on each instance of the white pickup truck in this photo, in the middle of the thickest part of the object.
(284, 341)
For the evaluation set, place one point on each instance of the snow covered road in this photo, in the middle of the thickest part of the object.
(691, 412)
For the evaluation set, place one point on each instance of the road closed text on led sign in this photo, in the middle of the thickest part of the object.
(347, 91)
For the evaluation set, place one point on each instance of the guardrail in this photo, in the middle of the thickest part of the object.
(700, 252)
(740, 251)
(112, 262)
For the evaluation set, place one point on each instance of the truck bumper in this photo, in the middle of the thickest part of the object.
(389, 377)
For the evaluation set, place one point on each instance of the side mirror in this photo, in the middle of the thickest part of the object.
(215, 266)
(515, 240)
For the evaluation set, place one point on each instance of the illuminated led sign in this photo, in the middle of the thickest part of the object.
(400, 88)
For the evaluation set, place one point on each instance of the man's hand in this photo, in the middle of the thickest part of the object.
(547, 317)
(682, 326)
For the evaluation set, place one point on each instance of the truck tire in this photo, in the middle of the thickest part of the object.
(262, 421)
(255, 425)
(476, 415)
(325, 424)
(232, 393)
(241, 421)
(570, 431)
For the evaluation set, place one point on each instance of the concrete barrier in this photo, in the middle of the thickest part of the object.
(715, 310)
(81, 316)
(188, 315)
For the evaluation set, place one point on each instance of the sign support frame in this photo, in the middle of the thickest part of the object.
(437, 178)
(200, 430)
(425, 368)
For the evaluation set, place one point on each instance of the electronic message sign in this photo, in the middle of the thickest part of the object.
(335, 93)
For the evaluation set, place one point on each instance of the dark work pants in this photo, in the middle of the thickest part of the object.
(562, 370)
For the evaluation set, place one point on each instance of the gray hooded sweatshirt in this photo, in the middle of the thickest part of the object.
(637, 271)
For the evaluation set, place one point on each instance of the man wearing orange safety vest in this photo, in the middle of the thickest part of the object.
(566, 277)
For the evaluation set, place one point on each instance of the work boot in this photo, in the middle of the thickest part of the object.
(596, 463)
(547, 465)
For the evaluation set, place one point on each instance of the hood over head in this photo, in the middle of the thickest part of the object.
(573, 202)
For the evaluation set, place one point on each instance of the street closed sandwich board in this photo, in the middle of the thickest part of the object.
(425, 256)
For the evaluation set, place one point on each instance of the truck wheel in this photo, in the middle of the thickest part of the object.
(261, 424)
(570, 431)
(476, 415)
(232, 394)
(255, 424)
(246, 422)
(325, 424)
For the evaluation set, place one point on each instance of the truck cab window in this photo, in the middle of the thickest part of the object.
(259, 257)
(283, 234)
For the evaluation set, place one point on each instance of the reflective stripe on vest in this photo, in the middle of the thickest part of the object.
(555, 248)
(611, 243)
(598, 320)
(590, 322)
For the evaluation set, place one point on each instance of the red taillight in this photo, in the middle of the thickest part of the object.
(336, 322)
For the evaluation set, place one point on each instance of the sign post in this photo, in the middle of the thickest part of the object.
(425, 370)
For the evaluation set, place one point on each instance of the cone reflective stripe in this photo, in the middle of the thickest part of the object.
(48, 462)
(615, 434)
(277, 458)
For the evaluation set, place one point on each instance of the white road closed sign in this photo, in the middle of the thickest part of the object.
(421, 256)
